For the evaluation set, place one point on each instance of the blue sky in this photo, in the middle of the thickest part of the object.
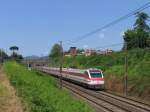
(36, 25)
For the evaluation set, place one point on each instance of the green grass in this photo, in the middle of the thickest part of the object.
(40, 92)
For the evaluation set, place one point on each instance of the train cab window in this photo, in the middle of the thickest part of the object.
(95, 74)
(86, 73)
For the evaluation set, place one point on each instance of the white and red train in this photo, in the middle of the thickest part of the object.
(91, 78)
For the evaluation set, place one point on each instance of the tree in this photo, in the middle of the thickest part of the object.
(141, 20)
(139, 36)
(148, 41)
(19, 56)
(130, 38)
(142, 37)
(3, 55)
(56, 51)
(14, 48)
(55, 54)
(14, 54)
(79, 51)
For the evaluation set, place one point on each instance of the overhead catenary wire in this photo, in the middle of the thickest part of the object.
(115, 44)
(75, 40)
(110, 45)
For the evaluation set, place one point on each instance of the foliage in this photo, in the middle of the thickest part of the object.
(140, 22)
(56, 51)
(79, 51)
(40, 92)
(136, 39)
(55, 54)
(103, 61)
(139, 37)
(13, 48)
(14, 54)
(3, 54)
(16, 57)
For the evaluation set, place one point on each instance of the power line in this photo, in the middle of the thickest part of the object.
(110, 45)
(143, 7)
(115, 44)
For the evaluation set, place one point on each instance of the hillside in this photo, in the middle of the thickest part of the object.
(113, 67)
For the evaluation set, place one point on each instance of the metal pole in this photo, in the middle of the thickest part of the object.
(126, 71)
(61, 63)
(1, 56)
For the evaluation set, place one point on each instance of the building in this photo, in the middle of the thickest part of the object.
(108, 51)
(90, 52)
(73, 51)
(100, 52)
(87, 52)
(104, 51)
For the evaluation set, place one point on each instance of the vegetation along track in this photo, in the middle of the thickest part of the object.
(106, 102)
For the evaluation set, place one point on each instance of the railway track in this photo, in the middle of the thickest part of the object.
(106, 102)
(99, 105)
(130, 101)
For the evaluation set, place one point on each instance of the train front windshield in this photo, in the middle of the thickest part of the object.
(95, 74)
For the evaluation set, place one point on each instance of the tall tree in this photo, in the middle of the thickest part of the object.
(56, 51)
(14, 54)
(130, 39)
(14, 48)
(55, 54)
(141, 22)
(139, 36)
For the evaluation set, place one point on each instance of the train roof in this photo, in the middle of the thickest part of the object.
(80, 70)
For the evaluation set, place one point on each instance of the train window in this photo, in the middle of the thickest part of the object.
(95, 74)
(86, 73)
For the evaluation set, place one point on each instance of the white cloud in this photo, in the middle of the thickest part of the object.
(122, 33)
(85, 46)
(101, 35)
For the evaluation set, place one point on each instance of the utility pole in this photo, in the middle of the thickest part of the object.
(126, 71)
(61, 63)
(1, 56)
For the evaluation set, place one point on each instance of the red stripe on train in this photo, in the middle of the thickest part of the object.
(101, 79)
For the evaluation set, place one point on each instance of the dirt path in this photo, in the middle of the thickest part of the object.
(9, 102)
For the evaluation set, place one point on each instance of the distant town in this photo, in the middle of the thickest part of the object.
(73, 51)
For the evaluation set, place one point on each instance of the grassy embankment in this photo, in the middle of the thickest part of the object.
(40, 93)
(8, 99)
(113, 67)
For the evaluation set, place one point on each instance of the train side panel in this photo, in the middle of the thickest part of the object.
(85, 78)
